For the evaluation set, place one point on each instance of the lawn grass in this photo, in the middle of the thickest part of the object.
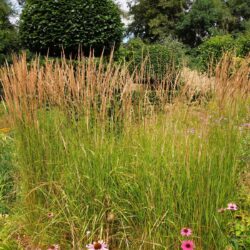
(106, 167)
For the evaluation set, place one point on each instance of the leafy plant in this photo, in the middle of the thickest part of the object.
(212, 50)
(6, 172)
(134, 185)
(50, 26)
(157, 59)
(8, 34)
(243, 45)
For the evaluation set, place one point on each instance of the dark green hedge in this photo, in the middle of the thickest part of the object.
(51, 25)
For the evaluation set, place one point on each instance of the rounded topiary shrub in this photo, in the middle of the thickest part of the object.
(52, 25)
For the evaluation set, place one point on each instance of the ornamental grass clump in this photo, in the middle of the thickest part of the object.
(95, 155)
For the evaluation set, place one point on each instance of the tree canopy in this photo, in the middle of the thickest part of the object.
(53, 25)
(189, 21)
(240, 10)
(206, 18)
(156, 19)
(8, 38)
(5, 12)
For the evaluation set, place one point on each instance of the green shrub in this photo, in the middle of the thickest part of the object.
(157, 58)
(8, 44)
(52, 25)
(243, 45)
(212, 49)
(162, 171)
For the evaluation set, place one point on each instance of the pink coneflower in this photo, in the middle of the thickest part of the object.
(97, 245)
(50, 215)
(232, 206)
(186, 231)
(187, 245)
(54, 247)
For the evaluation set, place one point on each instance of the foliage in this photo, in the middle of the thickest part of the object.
(155, 20)
(5, 12)
(243, 44)
(240, 9)
(50, 26)
(239, 224)
(79, 170)
(211, 51)
(105, 179)
(158, 58)
(6, 170)
(8, 35)
(240, 231)
(205, 19)
(189, 21)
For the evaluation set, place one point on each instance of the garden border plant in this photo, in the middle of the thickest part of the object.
(81, 181)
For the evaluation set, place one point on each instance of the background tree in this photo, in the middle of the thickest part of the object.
(8, 35)
(52, 25)
(154, 20)
(206, 18)
(190, 21)
(240, 9)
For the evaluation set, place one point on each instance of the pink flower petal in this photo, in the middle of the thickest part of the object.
(186, 231)
(187, 245)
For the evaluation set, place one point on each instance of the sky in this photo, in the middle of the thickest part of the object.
(123, 4)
